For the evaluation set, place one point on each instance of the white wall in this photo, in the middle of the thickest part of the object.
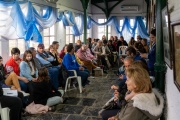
(172, 93)
(99, 14)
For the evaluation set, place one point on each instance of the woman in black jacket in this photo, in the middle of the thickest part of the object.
(43, 92)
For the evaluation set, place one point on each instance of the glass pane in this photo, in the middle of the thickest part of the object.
(71, 39)
(120, 28)
(70, 30)
(100, 35)
(121, 22)
(109, 29)
(46, 42)
(67, 39)
(101, 30)
(12, 44)
(132, 22)
(51, 40)
(34, 44)
(77, 38)
(21, 45)
(67, 30)
(52, 30)
(46, 32)
(100, 20)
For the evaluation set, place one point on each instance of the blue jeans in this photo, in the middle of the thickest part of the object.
(83, 74)
(54, 75)
(23, 85)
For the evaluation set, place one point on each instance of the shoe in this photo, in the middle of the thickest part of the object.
(62, 92)
(92, 77)
(24, 93)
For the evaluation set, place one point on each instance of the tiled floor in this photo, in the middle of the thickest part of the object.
(84, 106)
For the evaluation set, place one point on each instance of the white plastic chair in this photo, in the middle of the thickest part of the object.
(68, 81)
(4, 113)
(122, 50)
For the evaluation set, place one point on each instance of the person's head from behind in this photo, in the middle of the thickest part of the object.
(70, 48)
(110, 42)
(99, 43)
(40, 48)
(15, 52)
(78, 42)
(153, 36)
(131, 51)
(55, 44)
(43, 74)
(111, 38)
(83, 47)
(139, 63)
(51, 49)
(128, 61)
(28, 56)
(138, 37)
(1, 60)
(121, 38)
(138, 80)
(105, 42)
(115, 38)
(32, 49)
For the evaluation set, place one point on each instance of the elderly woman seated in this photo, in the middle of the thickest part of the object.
(143, 102)
(86, 57)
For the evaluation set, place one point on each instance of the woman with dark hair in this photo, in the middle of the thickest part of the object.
(28, 68)
(43, 91)
(63, 52)
(144, 43)
(152, 53)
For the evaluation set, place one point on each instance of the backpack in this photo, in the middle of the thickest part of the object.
(63, 75)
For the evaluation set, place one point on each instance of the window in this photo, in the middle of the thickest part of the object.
(69, 35)
(19, 43)
(121, 22)
(102, 29)
(49, 36)
(132, 22)
(81, 37)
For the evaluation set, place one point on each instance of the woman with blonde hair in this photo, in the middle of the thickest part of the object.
(143, 102)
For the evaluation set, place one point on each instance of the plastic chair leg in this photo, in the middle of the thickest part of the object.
(79, 83)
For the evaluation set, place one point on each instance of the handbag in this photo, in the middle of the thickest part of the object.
(111, 105)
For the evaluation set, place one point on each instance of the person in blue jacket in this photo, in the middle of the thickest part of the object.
(70, 62)
(152, 53)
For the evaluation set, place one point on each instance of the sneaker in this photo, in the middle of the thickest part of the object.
(92, 77)
(62, 92)
(24, 93)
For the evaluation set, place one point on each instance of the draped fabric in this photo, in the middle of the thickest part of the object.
(22, 20)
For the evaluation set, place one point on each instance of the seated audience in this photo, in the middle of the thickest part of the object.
(44, 93)
(45, 61)
(143, 103)
(52, 53)
(12, 65)
(131, 42)
(70, 63)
